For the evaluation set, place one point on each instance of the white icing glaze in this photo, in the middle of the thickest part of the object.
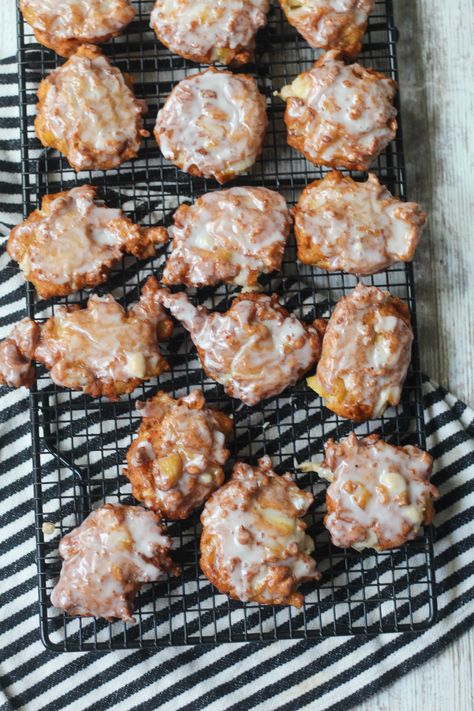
(326, 23)
(254, 349)
(177, 460)
(379, 494)
(16, 354)
(103, 342)
(357, 227)
(255, 523)
(85, 20)
(340, 114)
(90, 109)
(209, 29)
(367, 346)
(213, 122)
(107, 558)
(75, 237)
(229, 235)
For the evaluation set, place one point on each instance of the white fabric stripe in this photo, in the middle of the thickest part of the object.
(211, 656)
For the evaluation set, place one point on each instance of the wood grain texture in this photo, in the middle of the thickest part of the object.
(436, 79)
(435, 58)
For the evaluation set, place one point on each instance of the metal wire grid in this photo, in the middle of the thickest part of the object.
(79, 444)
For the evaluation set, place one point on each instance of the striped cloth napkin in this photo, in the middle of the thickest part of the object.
(330, 673)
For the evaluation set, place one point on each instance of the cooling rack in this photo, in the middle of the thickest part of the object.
(79, 443)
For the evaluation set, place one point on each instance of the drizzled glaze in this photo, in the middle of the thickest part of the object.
(176, 461)
(103, 349)
(230, 235)
(256, 349)
(17, 352)
(379, 494)
(72, 242)
(210, 30)
(330, 24)
(63, 25)
(357, 227)
(366, 354)
(340, 115)
(108, 558)
(213, 124)
(87, 111)
(254, 545)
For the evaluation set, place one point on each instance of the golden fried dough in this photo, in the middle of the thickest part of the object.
(176, 461)
(379, 494)
(72, 242)
(101, 349)
(255, 350)
(366, 354)
(359, 228)
(229, 235)
(340, 115)
(253, 545)
(330, 24)
(108, 558)
(88, 112)
(64, 25)
(209, 31)
(213, 124)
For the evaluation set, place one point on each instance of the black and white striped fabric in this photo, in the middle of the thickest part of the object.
(332, 673)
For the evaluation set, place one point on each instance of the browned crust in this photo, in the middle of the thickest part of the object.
(66, 47)
(97, 161)
(296, 134)
(280, 583)
(334, 449)
(140, 241)
(348, 42)
(309, 252)
(141, 476)
(256, 298)
(237, 56)
(114, 389)
(181, 270)
(224, 176)
(339, 400)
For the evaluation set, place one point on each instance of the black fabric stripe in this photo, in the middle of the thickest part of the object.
(17, 408)
(375, 658)
(433, 397)
(449, 443)
(416, 660)
(444, 418)
(450, 470)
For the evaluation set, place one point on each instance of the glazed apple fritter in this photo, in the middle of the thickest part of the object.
(108, 558)
(209, 31)
(359, 228)
(101, 349)
(366, 354)
(228, 236)
(213, 124)
(330, 24)
(253, 545)
(340, 115)
(255, 350)
(71, 243)
(64, 25)
(88, 112)
(379, 495)
(176, 461)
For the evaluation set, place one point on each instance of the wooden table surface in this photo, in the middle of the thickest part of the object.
(435, 58)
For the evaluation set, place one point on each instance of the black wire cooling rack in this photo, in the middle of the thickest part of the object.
(79, 443)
